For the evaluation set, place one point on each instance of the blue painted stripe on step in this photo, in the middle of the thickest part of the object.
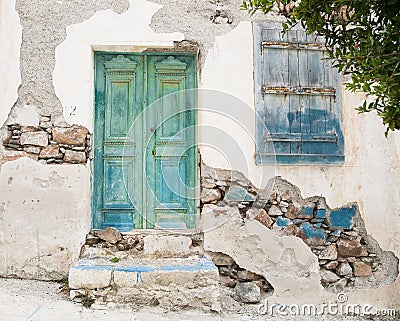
(139, 268)
(199, 266)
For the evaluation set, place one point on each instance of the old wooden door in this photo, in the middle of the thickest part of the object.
(145, 154)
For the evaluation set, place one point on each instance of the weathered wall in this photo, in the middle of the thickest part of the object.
(9, 64)
(43, 217)
(372, 161)
(47, 207)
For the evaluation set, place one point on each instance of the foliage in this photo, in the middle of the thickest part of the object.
(363, 40)
(115, 259)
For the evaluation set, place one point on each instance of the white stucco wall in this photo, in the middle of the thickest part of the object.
(44, 215)
(9, 53)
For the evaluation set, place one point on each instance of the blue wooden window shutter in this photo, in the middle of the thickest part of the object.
(298, 98)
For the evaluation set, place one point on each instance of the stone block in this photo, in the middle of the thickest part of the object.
(39, 138)
(294, 231)
(238, 194)
(207, 183)
(26, 129)
(331, 265)
(342, 218)
(89, 277)
(328, 276)
(283, 222)
(228, 281)
(348, 248)
(50, 151)
(74, 157)
(291, 212)
(306, 212)
(210, 195)
(274, 211)
(32, 149)
(329, 253)
(167, 277)
(312, 232)
(262, 216)
(167, 245)
(248, 292)
(320, 213)
(362, 269)
(75, 135)
(344, 269)
(109, 234)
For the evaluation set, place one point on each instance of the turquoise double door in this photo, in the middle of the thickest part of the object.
(145, 155)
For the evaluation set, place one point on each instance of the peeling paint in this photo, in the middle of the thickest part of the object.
(10, 55)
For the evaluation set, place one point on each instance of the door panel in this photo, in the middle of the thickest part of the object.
(145, 157)
(171, 162)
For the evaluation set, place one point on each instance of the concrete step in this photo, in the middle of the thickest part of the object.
(168, 282)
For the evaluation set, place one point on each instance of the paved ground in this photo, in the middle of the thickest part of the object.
(27, 300)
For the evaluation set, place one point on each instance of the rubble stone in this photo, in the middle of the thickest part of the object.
(362, 269)
(331, 265)
(248, 292)
(50, 151)
(262, 216)
(74, 157)
(338, 286)
(348, 248)
(75, 135)
(329, 253)
(283, 222)
(210, 195)
(274, 211)
(328, 276)
(238, 194)
(344, 269)
(110, 235)
(207, 183)
(91, 239)
(32, 149)
(293, 230)
(35, 138)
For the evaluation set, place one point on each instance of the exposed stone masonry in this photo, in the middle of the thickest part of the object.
(50, 145)
(249, 286)
(348, 257)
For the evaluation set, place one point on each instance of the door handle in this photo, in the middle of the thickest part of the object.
(153, 152)
(152, 129)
